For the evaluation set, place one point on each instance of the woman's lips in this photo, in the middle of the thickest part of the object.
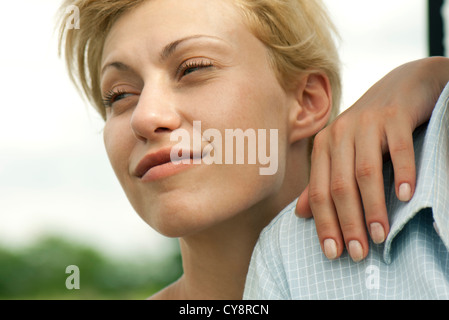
(165, 170)
(158, 165)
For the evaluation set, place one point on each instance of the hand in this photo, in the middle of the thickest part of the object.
(347, 158)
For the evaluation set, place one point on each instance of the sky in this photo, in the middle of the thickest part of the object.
(55, 177)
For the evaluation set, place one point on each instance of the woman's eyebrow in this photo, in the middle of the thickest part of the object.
(166, 52)
(117, 65)
(171, 47)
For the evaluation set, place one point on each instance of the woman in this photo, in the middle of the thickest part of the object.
(157, 68)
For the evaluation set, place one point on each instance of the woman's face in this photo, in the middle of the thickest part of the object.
(165, 65)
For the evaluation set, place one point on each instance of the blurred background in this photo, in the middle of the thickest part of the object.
(60, 203)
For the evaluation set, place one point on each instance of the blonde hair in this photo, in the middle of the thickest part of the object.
(298, 35)
(83, 47)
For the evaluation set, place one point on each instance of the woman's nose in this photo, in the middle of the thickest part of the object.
(154, 115)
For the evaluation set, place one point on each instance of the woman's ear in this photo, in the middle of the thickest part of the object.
(312, 107)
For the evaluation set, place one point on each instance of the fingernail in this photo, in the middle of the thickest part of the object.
(405, 192)
(355, 250)
(377, 232)
(330, 249)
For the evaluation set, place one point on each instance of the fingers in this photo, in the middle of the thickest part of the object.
(326, 220)
(369, 175)
(346, 170)
(400, 144)
(334, 197)
(346, 197)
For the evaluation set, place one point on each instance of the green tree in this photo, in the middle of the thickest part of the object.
(38, 272)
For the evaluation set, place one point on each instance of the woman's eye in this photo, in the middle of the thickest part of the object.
(193, 66)
(190, 70)
(112, 97)
(121, 96)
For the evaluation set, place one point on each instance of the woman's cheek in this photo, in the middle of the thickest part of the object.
(118, 143)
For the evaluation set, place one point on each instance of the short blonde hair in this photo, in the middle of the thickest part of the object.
(298, 35)
(83, 47)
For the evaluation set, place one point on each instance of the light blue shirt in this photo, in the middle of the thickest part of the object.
(413, 263)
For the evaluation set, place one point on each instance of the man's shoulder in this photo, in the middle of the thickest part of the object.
(286, 223)
(282, 250)
(282, 219)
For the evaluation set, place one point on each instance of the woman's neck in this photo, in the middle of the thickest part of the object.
(216, 261)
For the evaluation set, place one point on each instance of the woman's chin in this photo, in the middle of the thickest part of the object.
(183, 211)
(179, 222)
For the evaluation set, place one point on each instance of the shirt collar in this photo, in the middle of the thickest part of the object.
(431, 143)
